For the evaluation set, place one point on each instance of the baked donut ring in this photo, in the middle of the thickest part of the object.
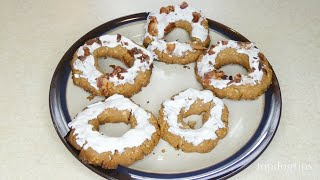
(109, 152)
(249, 86)
(161, 23)
(191, 101)
(87, 74)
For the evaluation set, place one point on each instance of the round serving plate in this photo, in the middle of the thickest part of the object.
(252, 124)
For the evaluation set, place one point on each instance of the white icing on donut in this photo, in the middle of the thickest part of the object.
(208, 61)
(184, 100)
(163, 19)
(161, 45)
(86, 137)
(90, 72)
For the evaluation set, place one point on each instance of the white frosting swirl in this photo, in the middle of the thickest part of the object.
(185, 99)
(86, 137)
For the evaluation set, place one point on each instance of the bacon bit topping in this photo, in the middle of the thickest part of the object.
(94, 40)
(116, 71)
(230, 77)
(118, 37)
(237, 78)
(224, 77)
(224, 42)
(163, 10)
(143, 58)
(99, 82)
(230, 82)
(204, 52)
(169, 27)
(133, 51)
(218, 74)
(184, 5)
(260, 66)
(206, 78)
(82, 58)
(126, 43)
(170, 48)
(86, 51)
(152, 27)
(211, 51)
(102, 80)
(171, 9)
(167, 9)
(196, 17)
(112, 66)
(253, 69)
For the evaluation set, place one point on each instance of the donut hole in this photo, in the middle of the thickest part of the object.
(233, 69)
(114, 123)
(177, 34)
(194, 121)
(106, 59)
(106, 64)
(181, 31)
(114, 129)
(231, 62)
(195, 116)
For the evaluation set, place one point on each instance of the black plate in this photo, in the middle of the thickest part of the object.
(226, 168)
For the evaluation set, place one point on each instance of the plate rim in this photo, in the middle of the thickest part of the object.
(57, 112)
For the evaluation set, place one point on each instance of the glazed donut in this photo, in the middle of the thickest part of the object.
(249, 86)
(191, 101)
(170, 17)
(87, 74)
(109, 152)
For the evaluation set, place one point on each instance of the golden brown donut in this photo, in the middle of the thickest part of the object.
(161, 23)
(181, 135)
(249, 86)
(109, 152)
(87, 74)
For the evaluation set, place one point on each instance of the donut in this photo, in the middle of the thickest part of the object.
(241, 86)
(161, 23)
(87, 74)
(181, 135)
(109, 152)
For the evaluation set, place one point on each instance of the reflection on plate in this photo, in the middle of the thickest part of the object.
(252, 124)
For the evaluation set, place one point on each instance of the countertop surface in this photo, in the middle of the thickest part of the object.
(34, 35)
